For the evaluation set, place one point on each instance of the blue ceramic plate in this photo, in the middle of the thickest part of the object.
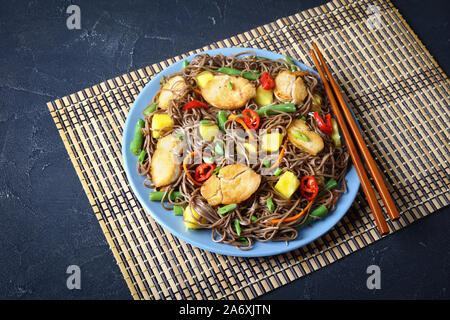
(202, 238)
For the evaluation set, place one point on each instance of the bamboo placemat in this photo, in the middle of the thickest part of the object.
(397, 90)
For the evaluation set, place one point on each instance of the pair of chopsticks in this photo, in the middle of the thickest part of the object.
(356, 135)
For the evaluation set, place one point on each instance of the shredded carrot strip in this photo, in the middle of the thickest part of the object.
(335, 198)
(193, 153)
(280, 157)
(242, 123)
(198, 91)
(289, 219)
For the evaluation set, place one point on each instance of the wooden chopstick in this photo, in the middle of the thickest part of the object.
(365, 182)
(370, 162)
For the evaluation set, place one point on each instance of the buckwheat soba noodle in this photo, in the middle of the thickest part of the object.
(242, 145)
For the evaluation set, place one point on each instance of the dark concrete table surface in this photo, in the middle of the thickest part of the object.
(46, 222)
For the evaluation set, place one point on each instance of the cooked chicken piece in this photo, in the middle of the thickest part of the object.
(165, 163)
(290, 88)
(299, 91)
(170, 90)
(211, 190)
(238, 183)
(219, 93)
(233, 184)
(300, 135)
(170, 143)
(284, 82)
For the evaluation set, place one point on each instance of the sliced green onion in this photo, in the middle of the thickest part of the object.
(277, 172)
(205, 121)
(318, 213)
(229, 71)
(178, 210)
(158, 196)
(335, 133)
(149, 110)
(251, 75)
(216, 170)
(318, 99)
(237, 226)
(320, 179)
(185, 64)
(164, 81)
(266, 163)
(300, 135)
(209, 160)
(230, 85)
(218, 148)
(275, 109)
(138, 139)
(272, 110)
(235, 72)
(222, 117)
(270, 205)
(330, 185)
(254, 218)
(142, 156)
(316, 103)
(292, 64)
(303, 118)
(179, 136)
(243, 239)
(288, 59)
(227, 208)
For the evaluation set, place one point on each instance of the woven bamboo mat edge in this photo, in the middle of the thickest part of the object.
(418, 41)
(232, 41)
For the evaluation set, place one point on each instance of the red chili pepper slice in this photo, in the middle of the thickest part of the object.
(251, 118)
(309, 187)
(195, 104)
(326, 125)
(204, 171)
(267, 82)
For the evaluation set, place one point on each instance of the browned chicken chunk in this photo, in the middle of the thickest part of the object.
(233, 184)
(290, 88)
(219, 93)
(170, 90)
(165, 165)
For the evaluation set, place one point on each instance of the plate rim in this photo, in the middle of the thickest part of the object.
(233, 251)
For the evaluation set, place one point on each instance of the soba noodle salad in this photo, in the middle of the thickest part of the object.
(242, 145)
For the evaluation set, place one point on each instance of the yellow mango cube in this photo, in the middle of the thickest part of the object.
(191, 218)
(208, 131)
(271, 141)
(263, 97)
(203, 78)
(247, 149)
(252, 148)
(287, 184)
(160, 121)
